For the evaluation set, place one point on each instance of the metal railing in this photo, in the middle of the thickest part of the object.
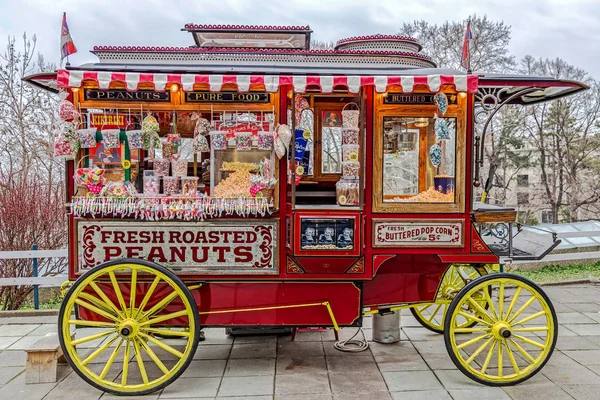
(36, 281)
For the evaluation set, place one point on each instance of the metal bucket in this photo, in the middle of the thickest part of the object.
(386, 328)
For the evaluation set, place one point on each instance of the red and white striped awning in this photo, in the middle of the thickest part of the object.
(269, 83)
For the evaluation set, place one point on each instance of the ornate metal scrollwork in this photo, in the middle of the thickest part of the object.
(488, 101)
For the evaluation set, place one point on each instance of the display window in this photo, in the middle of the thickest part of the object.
(418, 159)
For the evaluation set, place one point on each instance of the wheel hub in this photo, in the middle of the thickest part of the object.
(502, 330)
(129, 328)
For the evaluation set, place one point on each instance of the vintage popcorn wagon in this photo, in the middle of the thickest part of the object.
(248, 180)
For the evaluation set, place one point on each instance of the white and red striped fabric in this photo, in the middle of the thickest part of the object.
(269, 83)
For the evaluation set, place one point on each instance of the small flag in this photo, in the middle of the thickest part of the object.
(465, 59)
(67, 46)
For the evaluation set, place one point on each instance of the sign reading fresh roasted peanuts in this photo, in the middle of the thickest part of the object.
(403, 233)
(222, 247)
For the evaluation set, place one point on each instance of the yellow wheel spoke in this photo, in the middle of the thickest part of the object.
(166, 332)
(529, 318)
(479, 350)
(434, 313)
(531, 329)
(104, 297)
(512, 358)
(155, 358)
(132, 292)
(529, 341)
(118, 293)
(470, 330)
(473, 318)
(95, 324)
(126, 358)
(513, 301)
(500, 303)
(482, 312)
(522, 351)
(95, 309)
(111, 359)
(98, 303)
(99, 350)
(165, 317)
(163, 346)
(488, 358)
(148, 295)
(472, 341)
(160, 305)
(488, 299)
(92, 337)
(500, 361)
(140, 361)
(520, 310)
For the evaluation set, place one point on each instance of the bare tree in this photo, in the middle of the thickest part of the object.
(566, 135)
(444, 43)
(31, 187)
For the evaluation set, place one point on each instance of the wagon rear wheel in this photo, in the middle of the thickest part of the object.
(144, 327)
(431, 316)
(514, 337)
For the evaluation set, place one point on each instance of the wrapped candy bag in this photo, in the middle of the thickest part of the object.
(202, 127)
(91, 178)
(200, 144)
(62, 147)
(119, 190)
(110, 138)
(285, 134)
(87, 138)
(66, 109)
(150, 124)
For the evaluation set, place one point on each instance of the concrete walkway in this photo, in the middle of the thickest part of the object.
(267, 367)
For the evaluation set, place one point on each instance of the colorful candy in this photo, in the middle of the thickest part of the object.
(350, 169)
(87, 138)
(189, 186)
(350, 152)
(151, 183)
(135, 138)
(110, 138)
(161, 167)
(350, 135)
(168, 149)
(179, 167)
(265, 140)
(171, 185)
(243, 141)
(218, 140)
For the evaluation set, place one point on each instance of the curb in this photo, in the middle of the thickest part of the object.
(28, 313)
(567, 282)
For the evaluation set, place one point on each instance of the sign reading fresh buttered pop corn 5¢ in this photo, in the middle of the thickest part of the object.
(402, 233)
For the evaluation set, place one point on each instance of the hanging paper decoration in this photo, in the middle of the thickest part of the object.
(435, 155)
(66, 109)
(441, 101)
(442, 131)
(150, 128)
(300, 105)
(157, 208)
(285, 134)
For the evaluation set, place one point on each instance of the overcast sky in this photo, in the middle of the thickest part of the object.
(568, 29)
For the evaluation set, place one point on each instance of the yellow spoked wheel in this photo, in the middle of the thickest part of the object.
(514, 337)
(136, 328)
(431, 316)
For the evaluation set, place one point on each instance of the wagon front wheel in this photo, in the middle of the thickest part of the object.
(514, 337)
(129, 327)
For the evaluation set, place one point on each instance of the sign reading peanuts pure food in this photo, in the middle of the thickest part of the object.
(222, 247)
(402, 233)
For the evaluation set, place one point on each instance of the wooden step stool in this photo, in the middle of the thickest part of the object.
(43, 358)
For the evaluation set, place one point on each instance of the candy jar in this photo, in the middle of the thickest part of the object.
(218, 140)
(243, 141)
(265, 140)
(151, 183)
(179, 167)
(189, 186)
(161, 167)
(171, 185)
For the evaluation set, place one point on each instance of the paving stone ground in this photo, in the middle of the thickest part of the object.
(271, 367)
